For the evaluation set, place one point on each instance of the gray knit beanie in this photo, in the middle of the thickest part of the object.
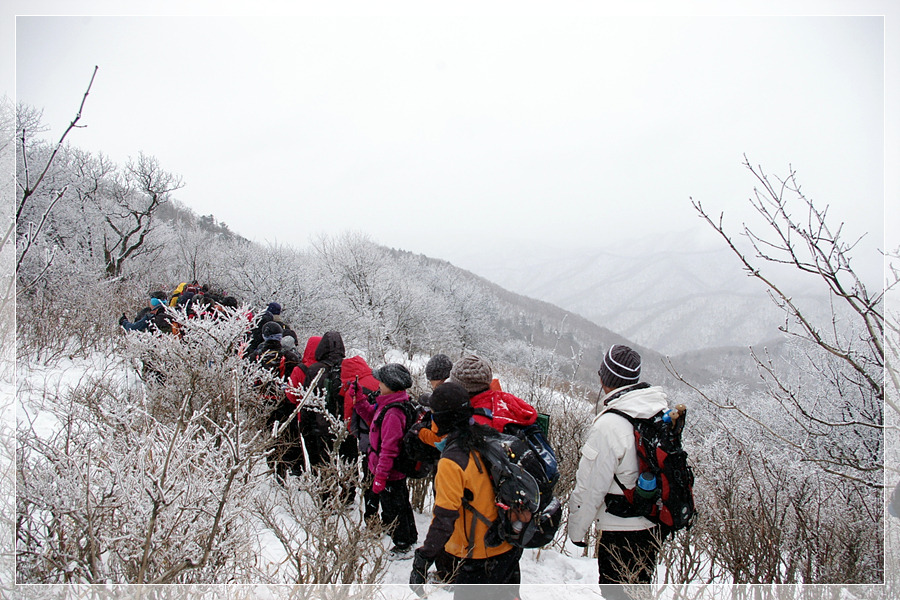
(473, 373)
(394, 375)
(438, 367)
(621, 366)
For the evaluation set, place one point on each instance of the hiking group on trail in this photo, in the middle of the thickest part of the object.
(493, 468)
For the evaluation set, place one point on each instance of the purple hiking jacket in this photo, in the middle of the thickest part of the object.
(387, 437)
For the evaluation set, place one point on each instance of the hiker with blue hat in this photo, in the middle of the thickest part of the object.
(152, 318)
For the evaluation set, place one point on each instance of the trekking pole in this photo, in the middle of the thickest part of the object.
(278, 428)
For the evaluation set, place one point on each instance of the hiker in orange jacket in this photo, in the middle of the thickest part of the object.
(462, 479)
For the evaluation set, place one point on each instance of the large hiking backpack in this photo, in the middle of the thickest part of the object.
(536, 437)
(416, 459)
(272, 360)
(661, 458)
(528, 514)
(511, 415)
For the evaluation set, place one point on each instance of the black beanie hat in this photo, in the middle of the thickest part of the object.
(450, 407)
(394, 375)
(438, 367)
(270, 330)
(621, 366)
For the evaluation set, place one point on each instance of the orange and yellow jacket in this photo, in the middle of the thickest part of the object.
(461, 475)
(428, 435)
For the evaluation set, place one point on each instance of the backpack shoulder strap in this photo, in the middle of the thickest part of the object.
(616, 411)
(633, 422)
(402, 406)
(380, 418)
(476, 514)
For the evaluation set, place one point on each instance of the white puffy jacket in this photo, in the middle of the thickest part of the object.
(609, 450)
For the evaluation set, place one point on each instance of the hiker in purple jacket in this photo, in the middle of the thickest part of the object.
(387, 426)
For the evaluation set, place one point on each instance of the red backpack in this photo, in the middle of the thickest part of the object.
(355, 368)
(499, 409)
(667, 498)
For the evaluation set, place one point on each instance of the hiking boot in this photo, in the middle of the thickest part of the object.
(401, 552)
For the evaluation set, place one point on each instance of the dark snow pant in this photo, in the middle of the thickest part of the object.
(444, 564)
(287, 457)
(495, 578)
(626, 557)
(397, 513)
(319, 442)
(371, 501)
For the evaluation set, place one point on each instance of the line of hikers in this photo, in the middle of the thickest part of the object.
(477, 440)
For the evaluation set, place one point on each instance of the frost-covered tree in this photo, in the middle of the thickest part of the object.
(834, 396)
(470, 312)
(80, 224)
(36, 167)
(790, 479)
(129, 207)
(7, 348)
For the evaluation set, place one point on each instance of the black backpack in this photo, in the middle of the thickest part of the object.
(660, 456)
(416, 459)
(334, 401)
(273, 361)
(528, 514)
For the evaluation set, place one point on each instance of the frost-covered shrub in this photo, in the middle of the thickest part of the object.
(151, 483)
(116, 495)
(323, 535)
(766, 514)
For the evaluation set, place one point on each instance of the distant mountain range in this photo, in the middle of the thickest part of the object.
(546, 326)
(673, 295)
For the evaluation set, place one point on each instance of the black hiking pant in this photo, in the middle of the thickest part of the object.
(494, 578)
(320, 441)
(396, 512)
(287, 457)
(626, 557)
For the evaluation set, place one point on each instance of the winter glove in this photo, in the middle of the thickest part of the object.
(378, 486)
(353, 390)
(122, 320)
(421, 564)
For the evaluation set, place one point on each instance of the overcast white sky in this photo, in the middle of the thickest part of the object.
(499, 121)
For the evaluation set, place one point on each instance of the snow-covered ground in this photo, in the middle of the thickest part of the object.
(549, 573)
(542, 567)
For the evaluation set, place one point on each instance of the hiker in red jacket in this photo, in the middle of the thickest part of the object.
(317, 433)
(492, 407)
(298, 376)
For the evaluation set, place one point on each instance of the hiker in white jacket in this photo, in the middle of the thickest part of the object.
(628, 546)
